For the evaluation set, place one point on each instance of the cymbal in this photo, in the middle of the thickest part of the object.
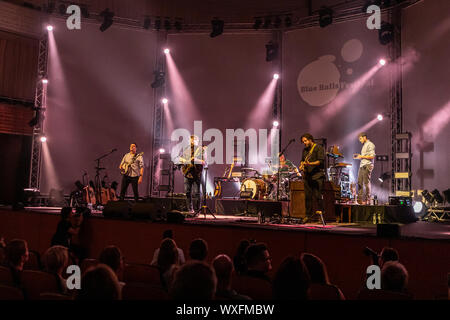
(343, 164)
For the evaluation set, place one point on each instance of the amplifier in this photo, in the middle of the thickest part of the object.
(400, 201)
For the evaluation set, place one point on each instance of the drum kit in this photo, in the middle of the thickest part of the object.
(338, 172)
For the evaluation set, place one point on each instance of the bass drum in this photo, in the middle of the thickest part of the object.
(256, 186)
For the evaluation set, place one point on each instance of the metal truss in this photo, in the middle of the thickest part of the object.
(39, 106)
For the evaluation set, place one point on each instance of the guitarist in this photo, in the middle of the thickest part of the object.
(193, 160)
(312, 166)
(133, 174)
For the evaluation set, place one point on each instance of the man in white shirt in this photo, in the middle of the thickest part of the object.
(367, 157)
(132, 167)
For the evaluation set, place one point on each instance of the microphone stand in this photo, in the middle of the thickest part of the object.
(97, 182)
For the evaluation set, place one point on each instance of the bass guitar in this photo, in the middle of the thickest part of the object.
(126, 166)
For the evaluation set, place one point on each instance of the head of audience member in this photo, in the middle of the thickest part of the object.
(66, 213)
(2, 242)
(223, 268)
(99, 283)
(291, 280)
(316, 268)
(16, 253)
(258, 258)
(387, 254)
(56, 259)
(113, 258)
(195, 280)
(168, 234)
(198, 250)
(168, 255)
(394, 276)
(239, 262)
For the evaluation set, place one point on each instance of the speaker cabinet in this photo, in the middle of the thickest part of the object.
(297, 208)
(148, 211)
(117, 209)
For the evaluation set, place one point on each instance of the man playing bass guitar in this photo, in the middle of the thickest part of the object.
(312, 167)
(132, 169)
(193, 160)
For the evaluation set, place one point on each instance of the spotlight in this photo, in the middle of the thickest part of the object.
(167, 25)
(257, 24)
(288, 22)
(277, 22)
(382, 62)
(147, 23)
(271, 51)
(43, 139)
(276, 76)
(177, 24)
(325, 17)
(447, 195)
(385, 176)
(158, 24)
(50, 28)
(162, 150)
(166, 51)
(420, 209)
(164, 100)
(276, 123)
(437, 196)
(267, 22)
(427, 196)
(159, 79)
(45, 81)
(217, 27)
(386, 33)
(107, 19)
(380, 117)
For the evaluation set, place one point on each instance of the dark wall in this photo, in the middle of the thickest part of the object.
(14, 166)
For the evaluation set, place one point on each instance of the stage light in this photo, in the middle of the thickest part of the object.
(325, 17)
(447, 195)
(427, 196)
(271, 51)
(217, 27)
(382, 62)
(288, 22)
(177, 24)
(420, 209)
(159, 79)
(158, 24)
(257, 24)
(380, 117)
(437, 196)
(147, 23)
(167, 25)
(44, 81)
(277, 22)
(162, 150)
(267, 22)
(276, 76)
(164, 100)
(276, 123)
(385, 176)
(50, 28)
(386, 33)
(43, 139)
(166, 51)
(107, 19)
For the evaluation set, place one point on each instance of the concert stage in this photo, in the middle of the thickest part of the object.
(423, 246)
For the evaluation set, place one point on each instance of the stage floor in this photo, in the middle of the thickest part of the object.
(418, 230)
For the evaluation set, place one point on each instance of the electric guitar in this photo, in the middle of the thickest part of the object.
(189, 169)
(301, 168)
(126, 166)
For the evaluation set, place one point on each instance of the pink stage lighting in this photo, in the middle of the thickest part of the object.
(276, 123)
(166, 51)
(276, 76)
(380, 117)
(49, 28)
(44, 81)
(43, 139)
(164, 100)
(382, 62)
(162, 150)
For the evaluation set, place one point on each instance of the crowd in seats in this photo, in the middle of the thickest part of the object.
(248, 276)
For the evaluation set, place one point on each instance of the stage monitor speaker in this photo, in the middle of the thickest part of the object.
(117, 209)
(148, 211)
(175, 217)
(388, 230)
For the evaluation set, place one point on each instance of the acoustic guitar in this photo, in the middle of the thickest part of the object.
(126, 166)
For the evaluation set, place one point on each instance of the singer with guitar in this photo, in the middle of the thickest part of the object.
(132, 169)
(192, 160)
(312, 168)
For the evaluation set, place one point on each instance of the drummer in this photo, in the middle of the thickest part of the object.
(286, 166)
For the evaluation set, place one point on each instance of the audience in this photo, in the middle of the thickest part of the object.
(167, 261)
(198, 250)
(99, 283)
(387, 254)
(258, 260)
(168, 234)
(394, 277)
(195, 280)
(113, 258)
(56, 260)
(223, 268)
(16, 254)
(318, 273)
(240, 266)
(291, 281)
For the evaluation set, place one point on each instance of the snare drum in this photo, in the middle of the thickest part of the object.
(256, 186)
